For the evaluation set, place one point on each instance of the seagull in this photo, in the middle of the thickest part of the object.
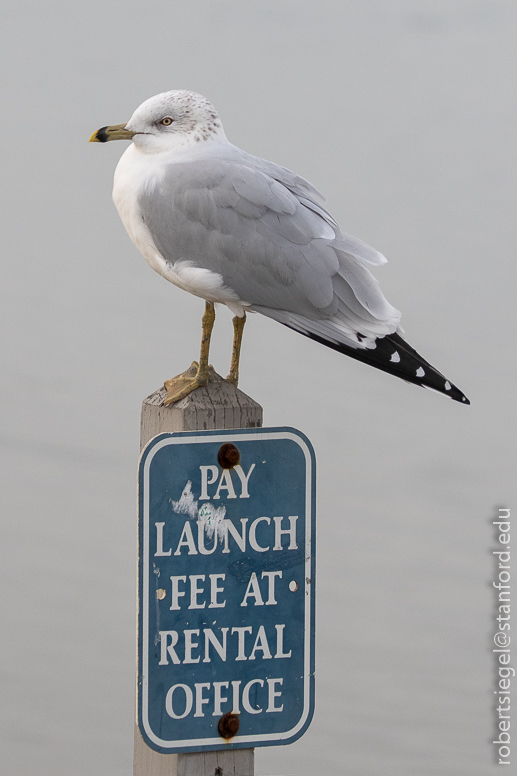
(238, 230)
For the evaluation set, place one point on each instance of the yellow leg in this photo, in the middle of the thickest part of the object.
(197, 375)
(238, 328)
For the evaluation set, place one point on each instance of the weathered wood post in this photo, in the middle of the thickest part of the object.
(219, 405)
(226, 563)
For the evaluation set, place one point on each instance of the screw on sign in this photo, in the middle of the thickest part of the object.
(226, 587)
(228, 725)
(228, 456)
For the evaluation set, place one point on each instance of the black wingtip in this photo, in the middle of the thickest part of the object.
(453, 393)
(431, 377)
(392, 354)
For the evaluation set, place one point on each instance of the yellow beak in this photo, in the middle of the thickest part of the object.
(116, 132)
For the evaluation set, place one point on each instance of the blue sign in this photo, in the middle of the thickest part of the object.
(226, 589)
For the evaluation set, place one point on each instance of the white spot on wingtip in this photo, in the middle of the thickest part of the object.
(395, 357)
(447, 385)
(420, 372)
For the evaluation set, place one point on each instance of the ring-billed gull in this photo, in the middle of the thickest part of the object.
(232, 228)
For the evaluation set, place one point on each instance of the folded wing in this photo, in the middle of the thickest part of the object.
(272, 242)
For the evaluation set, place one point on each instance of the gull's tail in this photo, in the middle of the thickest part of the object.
(392, 354)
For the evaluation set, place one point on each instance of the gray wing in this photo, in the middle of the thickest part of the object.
(309, 196)
(262, 229)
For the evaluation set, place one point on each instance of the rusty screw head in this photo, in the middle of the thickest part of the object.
(228, 725)
(228, 456)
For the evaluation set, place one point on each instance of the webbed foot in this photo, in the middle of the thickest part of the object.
(181, 385)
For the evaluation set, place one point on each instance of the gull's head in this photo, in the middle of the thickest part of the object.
(167, 121)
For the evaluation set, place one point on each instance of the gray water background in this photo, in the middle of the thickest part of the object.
(404, 114)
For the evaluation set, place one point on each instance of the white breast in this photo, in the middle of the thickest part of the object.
(135, 172)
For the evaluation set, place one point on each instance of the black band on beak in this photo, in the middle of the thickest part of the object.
(101, 135)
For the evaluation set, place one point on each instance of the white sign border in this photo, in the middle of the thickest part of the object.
(181, 438)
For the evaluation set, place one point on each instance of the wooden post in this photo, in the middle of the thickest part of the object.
(219, 405)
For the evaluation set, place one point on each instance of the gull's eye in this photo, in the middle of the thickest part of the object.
(166, 121)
